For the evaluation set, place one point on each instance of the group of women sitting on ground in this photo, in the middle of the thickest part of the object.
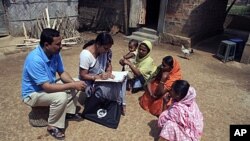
(165, 95)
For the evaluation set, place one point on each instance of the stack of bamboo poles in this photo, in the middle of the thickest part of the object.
(63, 24)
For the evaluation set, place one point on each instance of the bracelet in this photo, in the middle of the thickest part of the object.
(161, 82)
(153, 96)
(93, 77)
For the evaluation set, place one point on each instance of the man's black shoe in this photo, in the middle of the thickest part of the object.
(73, 117)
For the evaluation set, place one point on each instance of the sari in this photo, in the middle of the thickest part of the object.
(145, 65)
(156, 106)
(183, 120)
(108, 90)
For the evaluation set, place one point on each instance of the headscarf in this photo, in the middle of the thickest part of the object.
(145, 64)
(174, 74)
(186, 115)
(150, 47)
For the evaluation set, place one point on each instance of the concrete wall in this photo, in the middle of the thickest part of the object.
(190, 21)
(245, 58)
(27, 11)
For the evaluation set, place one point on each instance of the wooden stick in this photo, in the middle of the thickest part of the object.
(24, 31)
(69, 43)
(44, 21)
(54, 24)
(47, 15)
(71, 38)
(32, 40)
(39, 24)
(59, 23)
(26, 44)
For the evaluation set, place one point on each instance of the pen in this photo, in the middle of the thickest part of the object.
(102, 71)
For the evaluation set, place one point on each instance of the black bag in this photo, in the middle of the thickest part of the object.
(102, 111)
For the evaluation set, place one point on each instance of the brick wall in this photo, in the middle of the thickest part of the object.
(189, 21)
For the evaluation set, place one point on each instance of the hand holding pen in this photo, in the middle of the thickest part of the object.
(105, 75)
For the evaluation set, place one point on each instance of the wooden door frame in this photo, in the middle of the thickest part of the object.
(162, 13)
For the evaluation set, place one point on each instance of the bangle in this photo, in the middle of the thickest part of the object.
(93, 77)
(152, 95)
(161, 82)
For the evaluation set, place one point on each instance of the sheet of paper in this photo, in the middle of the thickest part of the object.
(119, 77)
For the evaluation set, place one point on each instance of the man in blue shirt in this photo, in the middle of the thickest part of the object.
(39, 87)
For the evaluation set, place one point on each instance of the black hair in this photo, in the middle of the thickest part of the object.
(89, 43)
(134, 41)
(47, 35)
(104, 38)
(169, 61)
(180, 87)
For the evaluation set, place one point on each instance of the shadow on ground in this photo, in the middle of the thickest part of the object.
(154, 132)
(211, 45)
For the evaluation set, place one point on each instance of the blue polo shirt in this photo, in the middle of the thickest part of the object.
(38, 69)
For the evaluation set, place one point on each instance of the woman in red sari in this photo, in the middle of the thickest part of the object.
(159, 85)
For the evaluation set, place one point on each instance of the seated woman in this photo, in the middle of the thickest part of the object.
(182, 121)
(95, 63)
(143, 66)
(159, 85)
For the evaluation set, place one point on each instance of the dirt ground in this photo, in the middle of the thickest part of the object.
(223, 95)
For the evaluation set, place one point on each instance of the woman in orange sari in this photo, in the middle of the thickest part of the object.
(159, 85)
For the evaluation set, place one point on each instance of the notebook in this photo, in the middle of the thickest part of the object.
(119, 77)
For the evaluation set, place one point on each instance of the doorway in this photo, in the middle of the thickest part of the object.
(152, 13)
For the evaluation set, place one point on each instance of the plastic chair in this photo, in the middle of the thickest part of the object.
(239, 47)
(226, 50)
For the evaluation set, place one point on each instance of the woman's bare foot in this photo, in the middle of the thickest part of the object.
(123, 110)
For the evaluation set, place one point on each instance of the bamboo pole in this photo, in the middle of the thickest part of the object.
(39, 24)
(47, 15)
(54, 24)
(57, 28)
(44, 21)
(24, 31)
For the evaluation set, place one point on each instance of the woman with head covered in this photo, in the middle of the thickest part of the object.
(182, 121)
(143, 66)
(159, 84)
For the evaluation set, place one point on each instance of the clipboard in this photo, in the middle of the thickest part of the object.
(119, 77)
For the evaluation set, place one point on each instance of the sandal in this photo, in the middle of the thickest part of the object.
(56, 133)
